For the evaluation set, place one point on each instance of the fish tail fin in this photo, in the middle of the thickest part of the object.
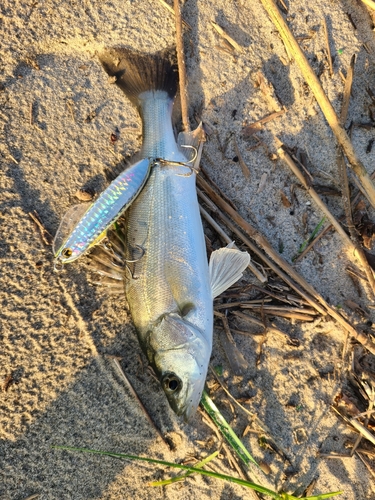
(136, 72)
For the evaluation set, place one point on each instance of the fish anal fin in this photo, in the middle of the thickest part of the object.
(226, 267)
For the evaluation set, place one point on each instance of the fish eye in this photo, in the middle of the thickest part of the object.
(67, 252)
(171, 383)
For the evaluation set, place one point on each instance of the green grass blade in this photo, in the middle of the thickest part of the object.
(226, 430)
(231, 479)
(199, 465)
(311, 238)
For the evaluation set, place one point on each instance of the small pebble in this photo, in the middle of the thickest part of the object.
(83, 195)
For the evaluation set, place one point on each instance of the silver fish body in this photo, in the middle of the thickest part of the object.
(169, 292)
(169, 284)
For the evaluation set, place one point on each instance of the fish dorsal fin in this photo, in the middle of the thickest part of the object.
(226, 267)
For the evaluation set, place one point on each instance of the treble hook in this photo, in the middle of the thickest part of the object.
(164, 162)
(139, 258)
(194, 149)
(57, 265)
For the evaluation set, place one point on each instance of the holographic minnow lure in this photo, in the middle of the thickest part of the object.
(91, 228)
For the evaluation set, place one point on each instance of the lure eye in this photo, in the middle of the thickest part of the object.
(67, 252)
(171, 383)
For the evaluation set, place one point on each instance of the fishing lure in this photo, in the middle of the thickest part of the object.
(78, 232)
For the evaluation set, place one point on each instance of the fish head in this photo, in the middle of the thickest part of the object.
(180, 356)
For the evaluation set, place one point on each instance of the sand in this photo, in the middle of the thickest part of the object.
(58, 331)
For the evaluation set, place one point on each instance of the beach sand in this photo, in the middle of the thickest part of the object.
(59, 332)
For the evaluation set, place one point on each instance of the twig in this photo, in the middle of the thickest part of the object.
(31, 119)
(226, 37)
(255, 126)
(369, 3)
(213, 183)
(45, 235)
(362, 430)
(349, 221)
(168, 7)
(181, 66)
(314, 195)
(245, 169)
(228, 240)
(236, 360)
(366, 464)
(229, 305)
(347, 91)
(352, 244)
(256, 321)
(136, 397)
(303, 288)
(329, 57)
(281, 309)
(320, 96)
(283, 314)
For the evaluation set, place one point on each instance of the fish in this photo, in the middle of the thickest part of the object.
(84, 226)
(169, 283)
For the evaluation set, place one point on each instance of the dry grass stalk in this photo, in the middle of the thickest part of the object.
(324, 103)
(136, 397)
(228, 240)
(236, 360)
(352, 244)
(289, 299)
(315, 240)
(168, 7)
(366, 464)
(47, 238)
(245, 169)
(254, 127)
(226, 37)
(213, 183)
(181, 67)
(362, 430)
(278, 312)
(256, 321)
(358, 251)
(268, 91)
(314, 195)
(303, 288)
(328, 48)
(369, 3)
(282, 309)
(229, 305)
(347, 91)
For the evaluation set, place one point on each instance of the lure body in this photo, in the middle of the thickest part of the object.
(101, 214)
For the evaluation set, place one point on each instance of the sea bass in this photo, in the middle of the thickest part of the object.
(169, 284)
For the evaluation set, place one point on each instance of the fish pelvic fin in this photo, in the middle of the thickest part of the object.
(226, 267)
(137, 72)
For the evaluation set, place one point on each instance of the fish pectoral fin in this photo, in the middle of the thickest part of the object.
(226, 267)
